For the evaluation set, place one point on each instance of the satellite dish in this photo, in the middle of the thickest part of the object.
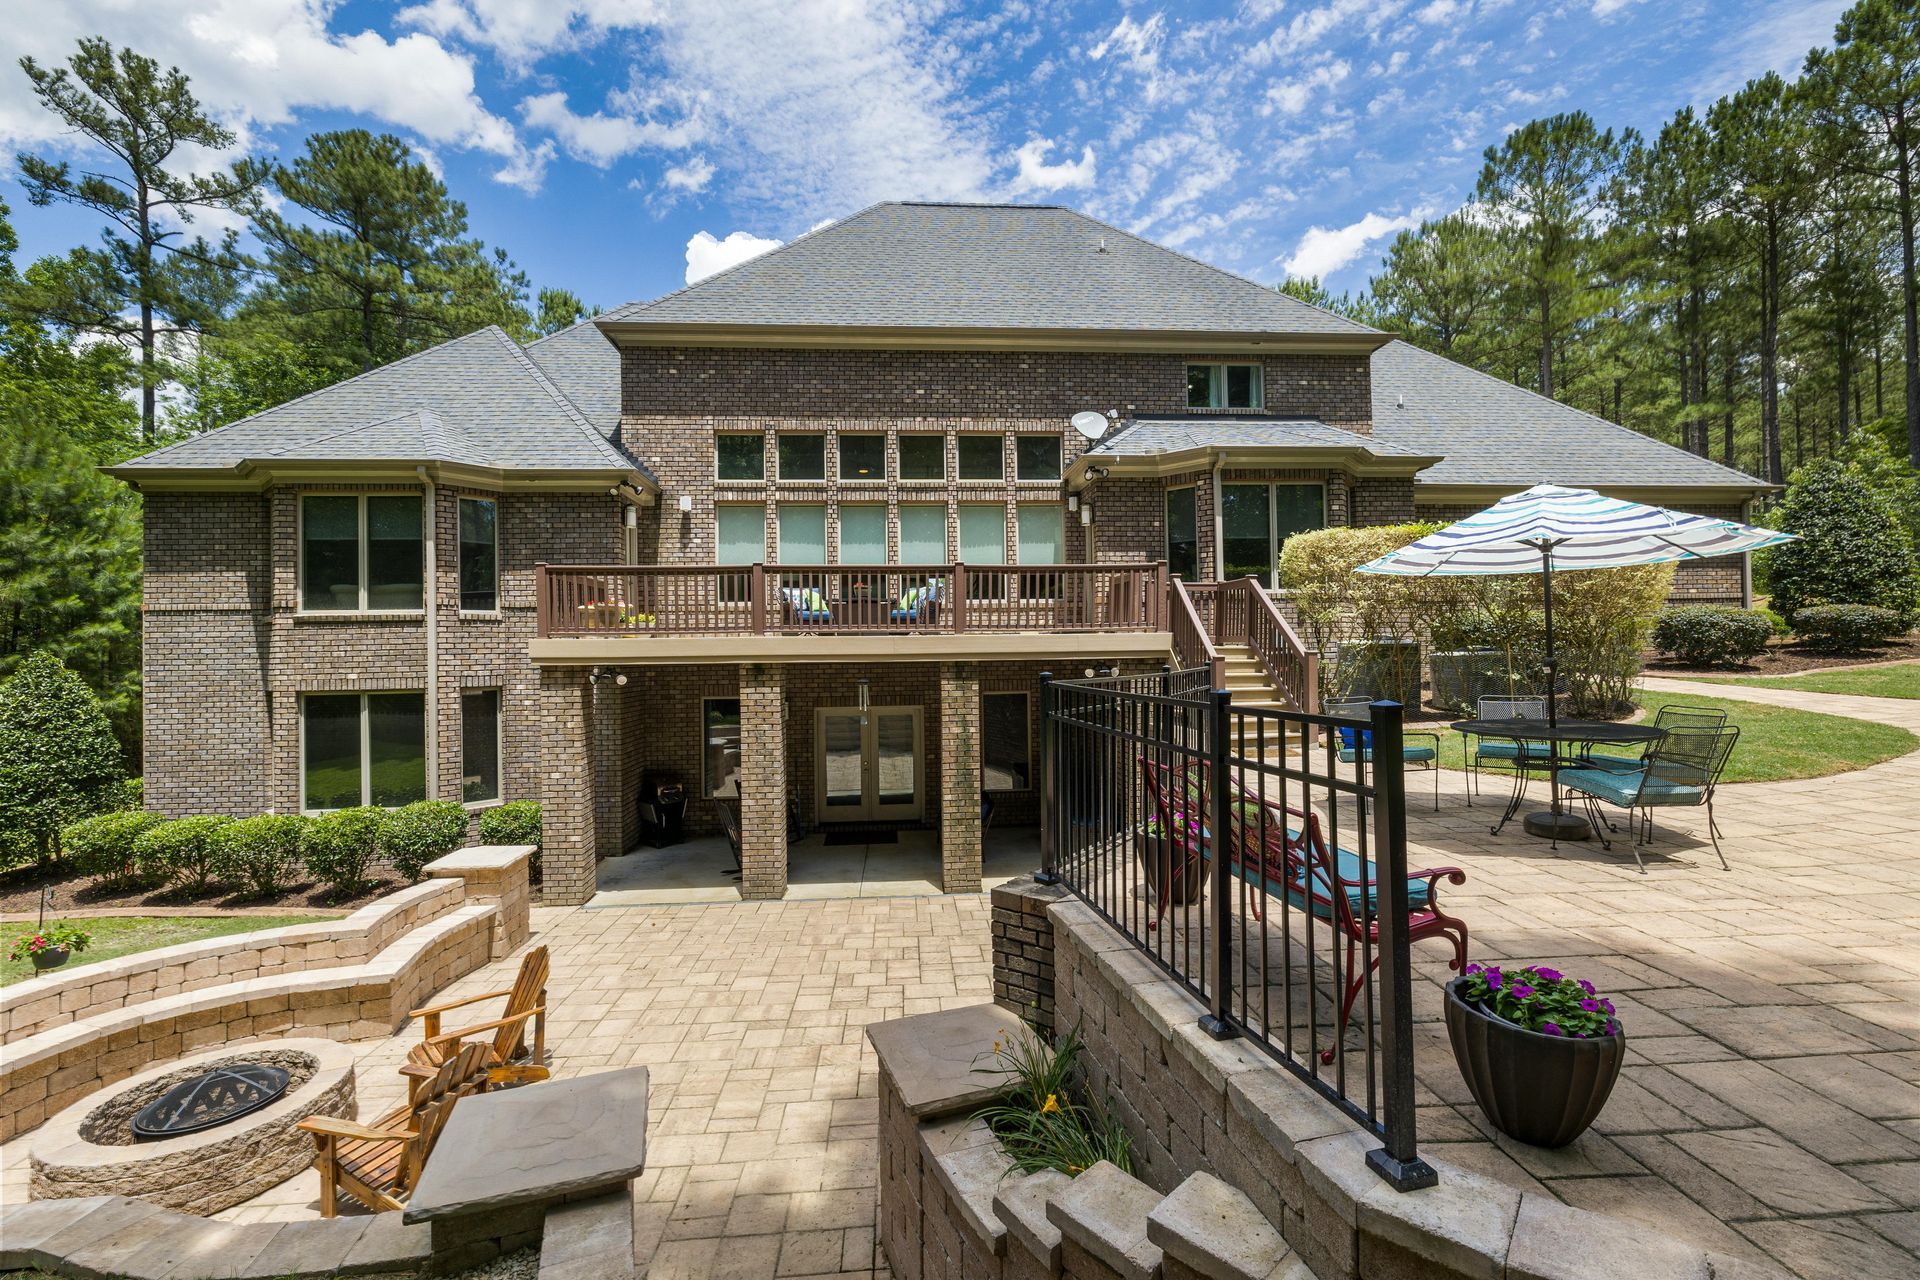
(1090, 424)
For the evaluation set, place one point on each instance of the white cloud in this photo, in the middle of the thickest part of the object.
(1607, 8)
(1290, 97)
(691, 177)
(1135, 43)
(1037, 175)
(1769, 37)
(706, 255)
(257, 63)
(520, 31)
(1438, 11)
(1324, 250)
(602, 138)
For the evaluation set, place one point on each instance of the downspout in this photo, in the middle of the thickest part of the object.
(1219, 523)
(431, 600)
(1746, 558)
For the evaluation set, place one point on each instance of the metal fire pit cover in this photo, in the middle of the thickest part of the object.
(220, 1095)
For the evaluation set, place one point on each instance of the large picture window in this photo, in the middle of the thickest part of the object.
(1223, 386)
(720, 747)
(1256, 521)
(1183, 534)
(923, 533)
(740, 456)
(740, 533)
(361, 552)
(479, 555)
(863, 533)
(480, 745)
(803, 533)
(1006, 742)
(363, 748)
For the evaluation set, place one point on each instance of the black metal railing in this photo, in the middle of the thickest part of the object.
(1235, 848)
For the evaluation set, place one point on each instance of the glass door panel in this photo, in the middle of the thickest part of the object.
(871, 767)
(1246, 525)
(896, 760)
(842, 767)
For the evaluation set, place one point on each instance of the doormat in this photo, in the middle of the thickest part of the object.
(889, 835)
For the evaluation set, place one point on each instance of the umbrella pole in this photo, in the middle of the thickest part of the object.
(1553, 824)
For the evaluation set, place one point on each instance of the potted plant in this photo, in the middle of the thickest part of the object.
(50, 945)
(1171, 854)
(1539, 1050)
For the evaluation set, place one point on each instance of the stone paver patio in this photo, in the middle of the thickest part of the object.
(1771, 1104)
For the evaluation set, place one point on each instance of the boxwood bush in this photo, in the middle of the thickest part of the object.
(339, 847)
(515, 823)
(180, 853)
(261, 853)
(1847, 628)
(420, 832)
(103, 845)
(1852, 547)
(1711, 635)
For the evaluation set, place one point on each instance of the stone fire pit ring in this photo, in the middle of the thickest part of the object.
(88, 1149)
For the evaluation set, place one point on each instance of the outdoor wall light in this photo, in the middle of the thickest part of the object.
(1086, 515)
(1073, 502)
(686, 503)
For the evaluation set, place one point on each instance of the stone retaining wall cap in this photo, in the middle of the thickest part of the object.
(933, 1058)
(1021, 1206)
(480, 857)
(1104, 1211)
(1209, 1226)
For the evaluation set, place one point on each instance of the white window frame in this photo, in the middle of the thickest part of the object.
(839, 457)
(366, 742)
(1026, 723)
(1059, 458)
(840, 528)
(499, 745)
(999, 437)
(1273, 521)
(759, 479)
(1217, 385)
(780, 475)
(947, 465)
(361, 610)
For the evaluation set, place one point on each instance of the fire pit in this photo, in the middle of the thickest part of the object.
(207, 1101)
(199, 1135)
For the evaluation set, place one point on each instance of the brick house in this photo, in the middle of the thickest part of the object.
(805, 532)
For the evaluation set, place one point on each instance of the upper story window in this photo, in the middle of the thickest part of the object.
(742, 456)
(981, 457)
(803, 457)
(923, 457)
(1036, 457)
(863, 457)
(479, 555)
(1223, 386)
(361, 552)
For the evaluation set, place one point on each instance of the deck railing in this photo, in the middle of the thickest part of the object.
(1243, 612)
(605, 600)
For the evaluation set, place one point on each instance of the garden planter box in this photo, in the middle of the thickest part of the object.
(1541, 1089)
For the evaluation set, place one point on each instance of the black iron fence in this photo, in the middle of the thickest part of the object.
(1268, 875)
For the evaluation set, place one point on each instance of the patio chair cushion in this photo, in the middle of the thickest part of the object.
(1509, 750)
(1624, 789)
(1612, 764)
(1364, 738)
(1360, 898)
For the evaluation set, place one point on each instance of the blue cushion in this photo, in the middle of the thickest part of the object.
(1416, 755)
(1508, 750)
(1624, 789)
(1351, 867)
(1613, 764)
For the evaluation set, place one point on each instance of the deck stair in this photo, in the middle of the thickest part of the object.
(1247, 680)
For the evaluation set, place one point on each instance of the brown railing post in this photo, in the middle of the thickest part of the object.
(957, 580)
(542, 611)
(757, 597)
(1399, 1160)
(1157, 599)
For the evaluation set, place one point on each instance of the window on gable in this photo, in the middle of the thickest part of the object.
(1223, 386)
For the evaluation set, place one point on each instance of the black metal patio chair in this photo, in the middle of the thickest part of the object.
(1505, 755)
(1667, 717)
(1681, 771)
(1355, 743)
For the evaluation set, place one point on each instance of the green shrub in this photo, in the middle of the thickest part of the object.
(261, 853)
(340, 847)
(1711, 635)
(1847, 628)
(422, 831)
(180, 853)
(59, 760)
(517, 822)
(1852, 547)
(103, 845)
(1040, 1118)
(133, 794)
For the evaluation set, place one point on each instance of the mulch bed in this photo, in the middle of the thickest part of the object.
(75, 894)
(1790, 658)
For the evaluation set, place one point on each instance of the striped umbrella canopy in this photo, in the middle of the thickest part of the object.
(1549, 527)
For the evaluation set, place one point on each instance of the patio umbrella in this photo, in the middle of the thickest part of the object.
(1550, 527)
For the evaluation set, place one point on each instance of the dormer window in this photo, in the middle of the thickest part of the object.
(1223, 386)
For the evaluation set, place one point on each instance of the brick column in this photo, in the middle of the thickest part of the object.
(1023, 949)
(763, 781)
(611, 788)
(959, 777)
(565, 735)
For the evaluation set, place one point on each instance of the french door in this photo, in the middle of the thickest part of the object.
(870, 766)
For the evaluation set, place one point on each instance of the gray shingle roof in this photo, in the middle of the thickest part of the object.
(1492, 432)
(477, 400)
(586, 368)
(969, 266)
(1138, 437)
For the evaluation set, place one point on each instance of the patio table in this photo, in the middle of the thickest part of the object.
(1529, 734)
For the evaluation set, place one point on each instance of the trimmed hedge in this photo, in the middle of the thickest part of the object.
(261, 853)
(1711, 635)
(104, 845)
(180, 853)
(420, 832)
(515, 823)
(339, 847)
(1847, 628)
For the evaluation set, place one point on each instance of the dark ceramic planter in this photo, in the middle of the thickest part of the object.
(1162, 862)
(1541, 1089)
(51, 958)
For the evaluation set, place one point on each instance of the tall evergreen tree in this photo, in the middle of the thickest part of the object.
(1438, 286)
(123, 104)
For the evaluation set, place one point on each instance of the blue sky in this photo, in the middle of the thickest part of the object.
(615, 147)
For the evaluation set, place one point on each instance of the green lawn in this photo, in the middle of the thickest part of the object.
(1776, 743)
(1899, 681)
(123, 935)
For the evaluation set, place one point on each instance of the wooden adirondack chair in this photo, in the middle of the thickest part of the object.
(508, 1057)
(379, 1164)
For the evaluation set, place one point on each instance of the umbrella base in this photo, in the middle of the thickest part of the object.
(1557, 826)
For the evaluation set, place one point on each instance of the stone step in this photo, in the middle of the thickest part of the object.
(590, 1239)
(1103, 1213)
(1209, 1228)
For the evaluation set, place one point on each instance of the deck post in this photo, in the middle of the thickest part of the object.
(757, 597)
(957, 607)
